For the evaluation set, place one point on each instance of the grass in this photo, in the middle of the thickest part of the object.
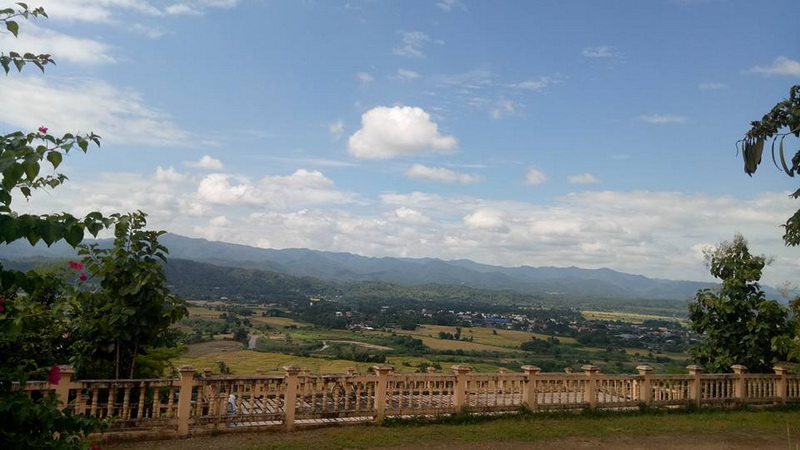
(543, 427)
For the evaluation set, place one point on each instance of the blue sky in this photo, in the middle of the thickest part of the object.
(586, 133)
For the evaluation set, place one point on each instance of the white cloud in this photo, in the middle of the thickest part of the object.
(387, 132)
(537, 84)
(364, 78)
(219, 221)
(661, 119)
(584, 178)
(169, 175)
(94, 10)
(503, 108)
(336, 129)
(781, 66)
(449, 5)
(62, 47)
(303, 187)
(411, 44)
(404, 74)
(442, 175)
(712, 86)
(112, 10)
(206, 162)
(485, 219)
(603, 51)
(535, 176)
(658, 234)
(117, 115)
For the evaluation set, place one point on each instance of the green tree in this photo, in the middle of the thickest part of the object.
(129, 315)
(737, 325)
(32, 307)
(778, 124)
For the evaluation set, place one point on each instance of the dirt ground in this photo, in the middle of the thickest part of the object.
(710, 441)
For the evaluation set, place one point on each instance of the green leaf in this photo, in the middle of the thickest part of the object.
(13, 27)
(74, 235)
(55, 159)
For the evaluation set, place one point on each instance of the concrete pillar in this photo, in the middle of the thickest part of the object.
(590, 393)
(739, 384)
(460, 387)
(781, 384)
(645, 384)
(185, 399)
(530, 393)
(290, 396)
(381, 390)
(695, 387)
(64, 385)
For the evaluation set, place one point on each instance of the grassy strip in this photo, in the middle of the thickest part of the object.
(530, 427)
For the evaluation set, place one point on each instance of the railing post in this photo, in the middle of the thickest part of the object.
(590, 393)
(781, 385)
(460, 387)
(646, 384)
(740, 384)
(63, 386)
(290, 396)
(529, 393)
(185, 399)
(381, 389)
(695, 387)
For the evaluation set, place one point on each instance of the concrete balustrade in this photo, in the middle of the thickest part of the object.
(199, 402)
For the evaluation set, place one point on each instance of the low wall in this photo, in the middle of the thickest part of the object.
(198, 403)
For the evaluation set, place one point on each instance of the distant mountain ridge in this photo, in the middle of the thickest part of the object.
(335, 266)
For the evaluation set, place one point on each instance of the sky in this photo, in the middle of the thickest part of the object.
(544, 133)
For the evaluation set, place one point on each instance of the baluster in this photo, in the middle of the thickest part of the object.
(126, 398)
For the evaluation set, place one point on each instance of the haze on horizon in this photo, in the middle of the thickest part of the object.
(586, 133)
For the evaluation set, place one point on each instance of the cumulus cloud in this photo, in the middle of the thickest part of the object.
(603, 51)
(303, 187)
(118, 115)
(62, 47)
(169, 175)
(780, 66)
(387, 132)
(658, 234)
(584, 178)
(661, 119)
(206, 162)
(535, 176)
(486, 219)
(412, 43)
(442, 175)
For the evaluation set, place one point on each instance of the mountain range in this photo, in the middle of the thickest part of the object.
(342, 267)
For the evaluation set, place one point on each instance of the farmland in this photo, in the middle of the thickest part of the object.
(282, 339)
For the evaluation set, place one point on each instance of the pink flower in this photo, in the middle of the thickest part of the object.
(94, 446)
(55, 375)
(43, 129)
(2, 304)
(76, 265)
(83, 277)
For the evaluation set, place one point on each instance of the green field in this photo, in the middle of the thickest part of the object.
(291, 342)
